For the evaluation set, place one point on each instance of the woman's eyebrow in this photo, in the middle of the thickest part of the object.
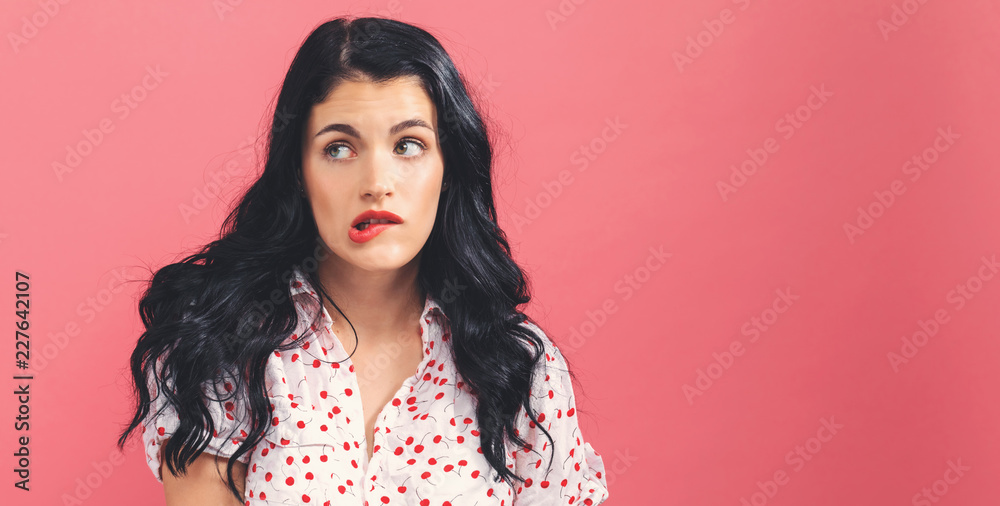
(353, 132)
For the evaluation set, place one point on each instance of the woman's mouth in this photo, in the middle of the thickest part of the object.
(366, 230)
(370, 223)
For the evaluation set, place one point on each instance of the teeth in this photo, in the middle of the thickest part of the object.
(364, 224)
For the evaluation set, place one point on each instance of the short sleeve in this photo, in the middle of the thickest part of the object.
(577, 473)
(230, 419)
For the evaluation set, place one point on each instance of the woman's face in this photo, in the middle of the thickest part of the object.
(373, 146)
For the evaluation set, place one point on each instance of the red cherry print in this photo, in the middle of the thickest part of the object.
(428, 410)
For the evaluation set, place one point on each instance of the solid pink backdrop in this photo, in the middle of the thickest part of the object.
(717, 203)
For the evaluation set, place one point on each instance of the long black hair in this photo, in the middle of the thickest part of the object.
(211, 318)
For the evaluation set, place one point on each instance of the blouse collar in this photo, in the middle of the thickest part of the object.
(305, 296)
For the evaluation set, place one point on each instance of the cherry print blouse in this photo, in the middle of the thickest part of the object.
(426, 447)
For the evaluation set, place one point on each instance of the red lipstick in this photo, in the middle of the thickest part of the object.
(370, 223)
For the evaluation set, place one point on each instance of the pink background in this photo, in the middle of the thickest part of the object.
(553, 85)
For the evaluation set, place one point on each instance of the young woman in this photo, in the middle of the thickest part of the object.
(353, 337)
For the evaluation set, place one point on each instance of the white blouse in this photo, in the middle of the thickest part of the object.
(426, 449)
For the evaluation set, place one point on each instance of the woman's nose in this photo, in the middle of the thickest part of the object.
(379, 175)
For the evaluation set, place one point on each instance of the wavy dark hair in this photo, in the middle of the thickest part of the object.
(203, 315)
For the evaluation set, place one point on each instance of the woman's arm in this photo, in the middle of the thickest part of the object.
(205, 482)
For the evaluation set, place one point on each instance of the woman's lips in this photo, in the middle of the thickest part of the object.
(360, 236)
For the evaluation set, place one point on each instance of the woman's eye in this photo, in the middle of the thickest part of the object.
(333, 149)
(406, 152)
